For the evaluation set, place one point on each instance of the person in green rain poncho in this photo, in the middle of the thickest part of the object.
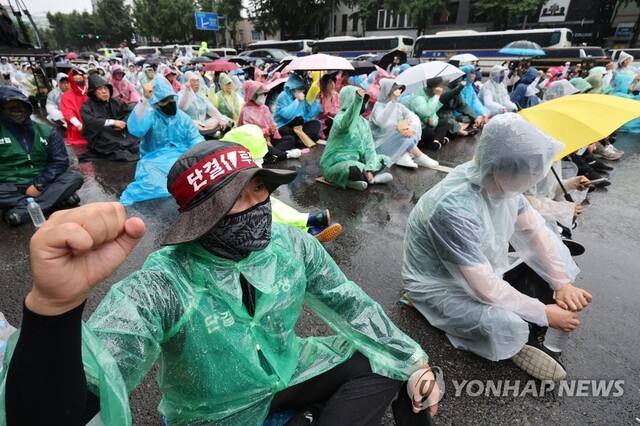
(350, 159)
(216, 308)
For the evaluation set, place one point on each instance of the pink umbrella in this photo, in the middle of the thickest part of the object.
(220, 66)
(71, 56)
(275, 83)
(319, 62)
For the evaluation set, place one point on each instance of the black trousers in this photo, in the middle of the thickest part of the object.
(356, 175)
(280, 146)
(430, 134)
(311, 128)
(14, 200)
(351, 394)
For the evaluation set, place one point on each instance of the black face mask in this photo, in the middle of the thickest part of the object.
(169, 109)
(237, 235)
(80, 83)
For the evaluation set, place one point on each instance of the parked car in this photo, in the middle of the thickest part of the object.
(224, 52)
(274, 54)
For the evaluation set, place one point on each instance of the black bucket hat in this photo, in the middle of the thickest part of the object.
(206, 182)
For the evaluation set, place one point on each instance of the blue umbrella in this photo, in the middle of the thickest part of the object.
(522, 48)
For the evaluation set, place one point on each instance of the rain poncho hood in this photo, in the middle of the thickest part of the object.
(95, 81)
(350, 142)
(558, 89)
(623, 57)
(580, 84)
(60, 76)
(218, 364)
(458, 236)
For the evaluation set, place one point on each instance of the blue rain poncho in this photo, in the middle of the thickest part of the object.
(288, 108)
(621, 88)
(219, 365)
(469, 95)
(163, 139)
(384, 119)
(458, 235)
(525, 93)
(350, 142)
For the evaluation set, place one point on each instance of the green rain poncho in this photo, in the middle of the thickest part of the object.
(350, 142)
(218, 365)
(229, 104)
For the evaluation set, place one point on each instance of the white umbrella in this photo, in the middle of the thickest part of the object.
(414, 77)
(319, 62)
(464, 58)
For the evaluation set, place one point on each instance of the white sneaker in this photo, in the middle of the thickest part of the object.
(382, 178)
(358, 185)
(539, 364)
(608, 152)
(294, 153)
(406, 161)
(425, 161)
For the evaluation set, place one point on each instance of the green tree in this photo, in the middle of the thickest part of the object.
(165, 20)
(113, 21)
(500, 11)
(71, 30)
(294, 18)
(421, 11)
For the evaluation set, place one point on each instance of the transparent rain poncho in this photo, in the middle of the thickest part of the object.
(458, 235)
(197, 105)
(558, 89)
(350, 142)
(163, 139)
(384, 119)
(218, 365)
(494, 94)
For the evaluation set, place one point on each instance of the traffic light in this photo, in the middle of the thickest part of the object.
(97, 36)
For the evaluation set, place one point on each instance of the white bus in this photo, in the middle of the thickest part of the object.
(352, 47)
(295, 47)
(485, 46)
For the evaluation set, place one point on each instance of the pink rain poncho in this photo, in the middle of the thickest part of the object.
(175, 84)
(252, 113)
(330, 102)
(123, 89)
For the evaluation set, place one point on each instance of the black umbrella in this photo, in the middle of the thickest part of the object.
(87, 55)
(388, 58)
(64, 67)
(211, 55)
(200, 60)
(362, 67)
(151, 60)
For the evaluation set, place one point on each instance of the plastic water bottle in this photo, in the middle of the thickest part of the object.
(35, 212)
(556, 340)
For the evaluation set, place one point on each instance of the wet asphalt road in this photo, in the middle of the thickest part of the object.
(369, 251)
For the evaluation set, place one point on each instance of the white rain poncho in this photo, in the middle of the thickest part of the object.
(558, 89)
(53, 100)
(458, 235)
(384, 119)
(494, 93)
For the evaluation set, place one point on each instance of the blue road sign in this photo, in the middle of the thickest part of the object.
(207, 21)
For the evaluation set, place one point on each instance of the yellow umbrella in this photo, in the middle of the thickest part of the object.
(580, 120)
